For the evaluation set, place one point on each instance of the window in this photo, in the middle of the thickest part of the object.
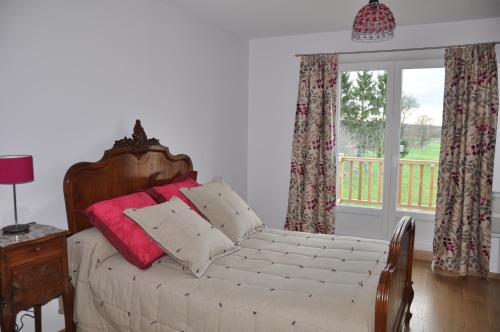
(388, 133)
(361, 138)
(420, 137)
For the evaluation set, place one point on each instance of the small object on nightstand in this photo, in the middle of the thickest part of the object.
(16, 169)
(33, 271)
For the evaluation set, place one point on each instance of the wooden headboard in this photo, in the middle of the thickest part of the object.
(132, 164)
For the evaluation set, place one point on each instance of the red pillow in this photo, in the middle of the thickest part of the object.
(125, 235)
(163, 193)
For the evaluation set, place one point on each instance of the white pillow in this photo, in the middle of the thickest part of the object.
(224, 208)
(183, 234)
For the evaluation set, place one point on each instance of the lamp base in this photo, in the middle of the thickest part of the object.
(16, 229)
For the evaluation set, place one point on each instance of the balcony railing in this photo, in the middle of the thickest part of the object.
(361, 182)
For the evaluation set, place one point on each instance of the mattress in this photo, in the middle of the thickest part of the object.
(278, 281)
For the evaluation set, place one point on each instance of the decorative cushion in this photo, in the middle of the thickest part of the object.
(124, 234)
(183, 234)
(224, 208)
(161, 194)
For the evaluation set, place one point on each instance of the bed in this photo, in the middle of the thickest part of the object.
(277, 281)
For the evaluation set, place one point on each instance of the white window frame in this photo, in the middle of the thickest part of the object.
(394, 70)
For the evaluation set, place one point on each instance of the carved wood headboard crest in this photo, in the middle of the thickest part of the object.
(139, 140)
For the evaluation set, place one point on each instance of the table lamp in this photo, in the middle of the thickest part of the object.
(14, 170)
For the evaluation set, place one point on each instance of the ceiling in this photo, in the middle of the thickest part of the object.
(269, 18)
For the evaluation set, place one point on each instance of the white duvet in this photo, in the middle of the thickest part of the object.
(277, 281)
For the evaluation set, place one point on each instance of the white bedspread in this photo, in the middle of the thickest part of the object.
(278, 281)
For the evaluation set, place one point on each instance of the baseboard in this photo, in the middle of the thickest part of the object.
(494, 275)
(422, 255)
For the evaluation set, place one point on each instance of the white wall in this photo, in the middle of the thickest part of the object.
(74, 76)
(273, 80)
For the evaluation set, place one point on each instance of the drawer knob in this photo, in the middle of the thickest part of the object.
(37, 249)
(16, 284)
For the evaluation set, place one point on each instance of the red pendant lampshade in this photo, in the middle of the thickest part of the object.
(373, 22)
(16, 169)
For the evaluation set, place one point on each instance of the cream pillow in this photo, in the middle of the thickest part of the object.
(224, 208)
(183, 234)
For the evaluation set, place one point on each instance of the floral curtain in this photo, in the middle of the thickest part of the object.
(311, 200)
(463, 212)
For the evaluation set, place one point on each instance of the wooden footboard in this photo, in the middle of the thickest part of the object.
(395, 290)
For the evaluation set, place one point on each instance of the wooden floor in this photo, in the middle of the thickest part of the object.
(448, 304)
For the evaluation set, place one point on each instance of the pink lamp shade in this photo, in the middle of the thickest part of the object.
(16, 169)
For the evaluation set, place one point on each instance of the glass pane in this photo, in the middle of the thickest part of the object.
(420, 138)
(361, 137)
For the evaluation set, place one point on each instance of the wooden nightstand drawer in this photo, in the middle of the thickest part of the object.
(37, 280)
(35, 251)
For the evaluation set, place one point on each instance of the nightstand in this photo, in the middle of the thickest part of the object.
(33, 271)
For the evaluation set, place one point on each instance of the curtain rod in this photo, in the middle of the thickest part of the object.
(398, 49)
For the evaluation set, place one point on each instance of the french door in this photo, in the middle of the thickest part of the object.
(388, 135)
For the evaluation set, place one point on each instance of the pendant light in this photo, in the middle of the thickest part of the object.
(374, 22)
